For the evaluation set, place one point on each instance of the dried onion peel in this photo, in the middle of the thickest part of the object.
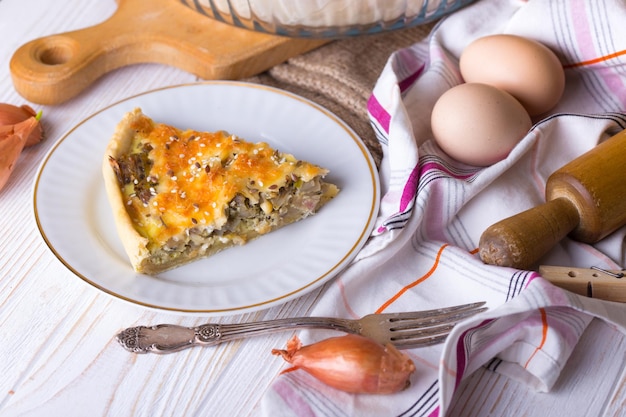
(351, 363)
(19, 128)
(12, 115)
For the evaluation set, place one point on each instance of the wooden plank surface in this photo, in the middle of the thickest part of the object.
(58, 355)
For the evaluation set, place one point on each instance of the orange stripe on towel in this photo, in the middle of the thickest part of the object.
(414, 283)
(544, 335)
(595, 60)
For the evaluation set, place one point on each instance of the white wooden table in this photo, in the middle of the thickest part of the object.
(58, 355)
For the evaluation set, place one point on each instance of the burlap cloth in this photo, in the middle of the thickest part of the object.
(341, 75)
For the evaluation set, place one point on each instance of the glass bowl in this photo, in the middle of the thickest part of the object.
(325, 18)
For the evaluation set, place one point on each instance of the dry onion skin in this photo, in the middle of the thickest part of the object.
(12, 115)
(19, 128)
(351, 363)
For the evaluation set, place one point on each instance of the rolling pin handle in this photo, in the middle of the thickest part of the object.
(521, 240)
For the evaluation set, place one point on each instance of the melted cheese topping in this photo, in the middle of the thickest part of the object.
(197, 174)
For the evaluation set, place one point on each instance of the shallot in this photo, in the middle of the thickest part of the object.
(351, 363)
(12, 115)
(19, 127)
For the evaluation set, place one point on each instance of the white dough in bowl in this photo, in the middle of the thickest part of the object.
(322, 13)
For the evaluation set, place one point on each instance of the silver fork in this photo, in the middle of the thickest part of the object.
(404, 330)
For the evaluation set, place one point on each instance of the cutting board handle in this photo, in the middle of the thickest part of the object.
(53, 69)
(56, 68)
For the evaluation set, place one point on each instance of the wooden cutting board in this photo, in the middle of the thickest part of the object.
(53, 69)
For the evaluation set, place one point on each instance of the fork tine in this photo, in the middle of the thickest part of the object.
(421, 337)
(409, 330)
(463, 309)
(422, 342)
(416, 333)
(451, 315)
(409, 324)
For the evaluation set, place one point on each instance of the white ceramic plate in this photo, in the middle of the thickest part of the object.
(73, 215)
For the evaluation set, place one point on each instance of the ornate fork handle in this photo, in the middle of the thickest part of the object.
(166, 338)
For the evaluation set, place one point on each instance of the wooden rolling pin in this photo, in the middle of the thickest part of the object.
(53, 69)
(585, 199)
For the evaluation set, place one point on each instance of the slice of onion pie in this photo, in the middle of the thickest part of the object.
(180, 195)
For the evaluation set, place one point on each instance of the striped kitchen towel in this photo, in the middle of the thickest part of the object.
(423, 252)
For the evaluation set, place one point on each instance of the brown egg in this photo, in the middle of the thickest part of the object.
(526, 69)
(478, 124)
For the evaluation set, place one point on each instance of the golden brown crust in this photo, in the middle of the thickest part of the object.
(135, 245)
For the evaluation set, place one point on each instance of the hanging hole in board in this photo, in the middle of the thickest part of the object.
(56, 50)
